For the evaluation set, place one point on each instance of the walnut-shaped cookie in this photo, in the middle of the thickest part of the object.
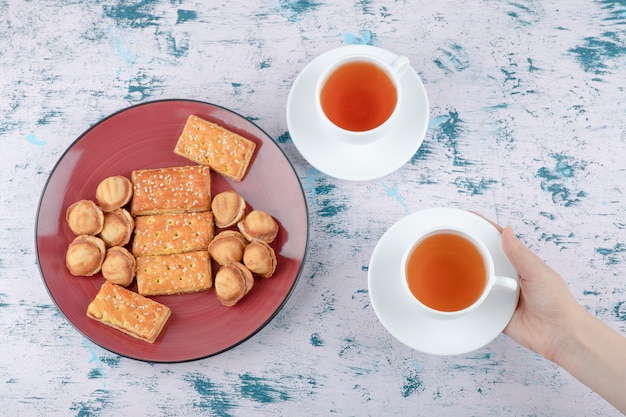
(227, 247)
(114, 192)
(85, 255)
(228, 208)
(258, 225)
(232, 282)
(119, 266)
(260, 259)
(118, 227)
(84, 217)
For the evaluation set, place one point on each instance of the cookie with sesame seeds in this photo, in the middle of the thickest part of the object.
(166, 234)
(171, 190)
(174, 274)
(206, 143)
(129, 312)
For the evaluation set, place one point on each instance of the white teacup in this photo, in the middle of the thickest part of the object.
(450, 273)
(350, 110)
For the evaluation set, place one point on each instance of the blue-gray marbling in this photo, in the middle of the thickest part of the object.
(527, 126)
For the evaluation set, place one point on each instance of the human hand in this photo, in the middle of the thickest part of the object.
(549, 321)
(547, 311)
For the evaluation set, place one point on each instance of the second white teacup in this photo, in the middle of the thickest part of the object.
(450, 273)
(359, 96)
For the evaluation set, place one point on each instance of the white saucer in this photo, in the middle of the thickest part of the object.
(355, 162)
(396, 309)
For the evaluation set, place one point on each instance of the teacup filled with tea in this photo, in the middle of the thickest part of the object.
(358, 96)
(450, 273)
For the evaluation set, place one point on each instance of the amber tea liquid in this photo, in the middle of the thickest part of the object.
(446, 272)
(358, 96)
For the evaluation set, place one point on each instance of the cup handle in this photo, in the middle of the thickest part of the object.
(400, 65)
(506, 284)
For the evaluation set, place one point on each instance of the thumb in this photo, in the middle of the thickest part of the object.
(527, 264)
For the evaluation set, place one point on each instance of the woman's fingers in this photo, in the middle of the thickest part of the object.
(525, 261)
(496, 225)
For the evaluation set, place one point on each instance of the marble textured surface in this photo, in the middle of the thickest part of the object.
(528, 127)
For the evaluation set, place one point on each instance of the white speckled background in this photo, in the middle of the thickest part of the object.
(528, 127)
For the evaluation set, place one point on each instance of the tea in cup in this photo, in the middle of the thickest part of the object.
(359, 96)
(450, 273)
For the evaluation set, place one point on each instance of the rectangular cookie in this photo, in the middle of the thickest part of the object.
(210, 144)
(174, 274)
(166, 234)
(171, 190)
(128, 312)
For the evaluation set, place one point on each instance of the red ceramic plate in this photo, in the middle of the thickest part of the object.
(144, 136)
